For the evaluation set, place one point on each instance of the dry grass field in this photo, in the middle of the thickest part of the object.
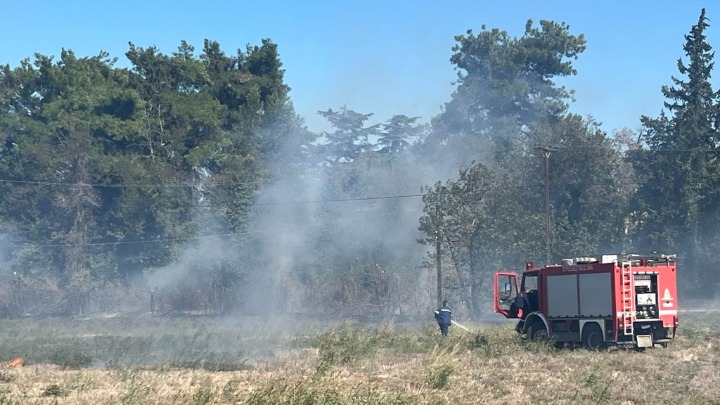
(202, 360)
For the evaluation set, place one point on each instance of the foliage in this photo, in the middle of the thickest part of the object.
(404, 363)
(590, 188)
(441, 367)
(506, 110)
(300, 391)
(679, 196)
(343, 347)
(395, 134)
(350, 136)
(70, 358)
(6, 376)
(351, 269)
(453, 214)
(505, 81)
(113, 175)
(53, 390)
(105, 167)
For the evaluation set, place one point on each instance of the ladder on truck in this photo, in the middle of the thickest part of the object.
(628, 297)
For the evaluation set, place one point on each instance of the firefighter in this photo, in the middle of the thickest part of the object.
(443, 315)
(516, 307)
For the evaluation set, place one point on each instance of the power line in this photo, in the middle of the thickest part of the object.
(404, 196)
(349, 199)
(283, 228)
(286, 227)
(389, 197)
(228, 184)
(99, 185)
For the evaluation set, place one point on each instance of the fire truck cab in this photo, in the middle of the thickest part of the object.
(595, 301)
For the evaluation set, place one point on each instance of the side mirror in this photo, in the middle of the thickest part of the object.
(506, 292)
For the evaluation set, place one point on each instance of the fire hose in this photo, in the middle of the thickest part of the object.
(461, 327)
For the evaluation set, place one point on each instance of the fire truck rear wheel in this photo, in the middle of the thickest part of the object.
(592, 337)
(537, 331)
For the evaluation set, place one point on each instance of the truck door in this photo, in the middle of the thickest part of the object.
(506, 291)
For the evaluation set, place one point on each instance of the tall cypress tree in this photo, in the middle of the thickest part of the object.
(678, 195)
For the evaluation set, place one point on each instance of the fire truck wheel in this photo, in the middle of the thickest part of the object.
(537, 331)
(592, 337)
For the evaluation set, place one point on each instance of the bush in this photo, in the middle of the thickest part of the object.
(441, 367)
(53, 390)
(439, 376)
(344, 346)
(295, 391)
(6, 376)
(69, 358)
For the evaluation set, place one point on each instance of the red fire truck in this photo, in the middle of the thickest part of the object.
(595, 301)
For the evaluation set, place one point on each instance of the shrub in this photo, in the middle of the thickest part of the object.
(344, 346)
(70, 358)
(202, 396)
(302, 391)
(53, 390)
(136, 393)
(439, 376)
(441, 367)
(6, 376)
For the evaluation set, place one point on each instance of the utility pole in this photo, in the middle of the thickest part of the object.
(546, 150)
(437, 256)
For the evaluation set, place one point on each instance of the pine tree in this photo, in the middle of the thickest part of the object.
(679, 192)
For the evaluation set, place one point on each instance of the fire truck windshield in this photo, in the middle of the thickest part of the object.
(529, 282)
(530, 292)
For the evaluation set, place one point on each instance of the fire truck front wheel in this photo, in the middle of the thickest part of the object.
(592, 337)
(537, 331)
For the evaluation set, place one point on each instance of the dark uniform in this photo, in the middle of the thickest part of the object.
(443, 315)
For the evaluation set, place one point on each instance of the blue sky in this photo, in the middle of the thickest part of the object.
(381, 57)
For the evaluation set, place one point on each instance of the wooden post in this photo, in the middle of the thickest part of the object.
(438, 262)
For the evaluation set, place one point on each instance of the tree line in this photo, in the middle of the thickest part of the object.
(112, 180)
